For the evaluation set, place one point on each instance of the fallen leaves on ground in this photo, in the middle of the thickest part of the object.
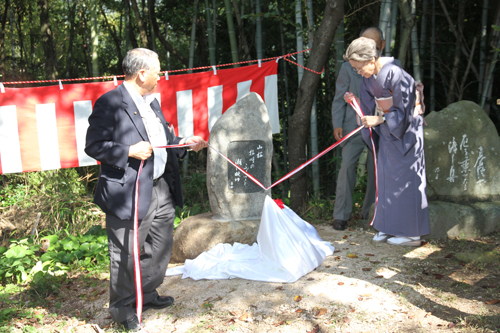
(345, 237)
(369, 255)
(352, 255)
(279, 323)
(297, 298)
(320, 311)
(230, 322)
(493, 301)
(299, 310)
(341, 283)
(366, 269)
(244, 316)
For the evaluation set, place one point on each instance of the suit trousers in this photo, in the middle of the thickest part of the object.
(155, 243)
(346, 180)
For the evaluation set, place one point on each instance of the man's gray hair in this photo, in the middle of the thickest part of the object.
(362, 49)
(137, 59)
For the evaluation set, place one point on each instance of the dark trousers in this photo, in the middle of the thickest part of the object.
(155, 243)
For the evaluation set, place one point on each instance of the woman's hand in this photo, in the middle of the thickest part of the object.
(371, 121)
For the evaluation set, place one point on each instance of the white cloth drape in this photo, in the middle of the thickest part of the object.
(287, 248)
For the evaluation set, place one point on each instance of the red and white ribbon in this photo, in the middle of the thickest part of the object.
(357, 108)
(137, 263)
(294, 171)
(136, 252)
(135, 245)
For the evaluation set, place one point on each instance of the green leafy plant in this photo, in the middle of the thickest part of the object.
(21, 263)
(88, 251)
(16, 262)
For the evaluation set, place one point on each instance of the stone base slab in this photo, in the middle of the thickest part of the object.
(200, 233)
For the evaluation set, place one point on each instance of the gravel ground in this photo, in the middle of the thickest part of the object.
(362, 287)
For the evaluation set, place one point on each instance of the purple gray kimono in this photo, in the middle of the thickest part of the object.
(402, 201)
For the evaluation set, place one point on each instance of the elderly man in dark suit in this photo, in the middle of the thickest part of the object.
(125, 127)
(344, 121)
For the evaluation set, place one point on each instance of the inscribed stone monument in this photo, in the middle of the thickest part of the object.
(243, 134)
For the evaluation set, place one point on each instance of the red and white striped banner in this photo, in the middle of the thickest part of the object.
(44, 128)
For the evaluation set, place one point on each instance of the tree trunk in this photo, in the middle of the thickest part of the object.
(490, 66)
(2, 39)
(162, 39)
(391, 39)
(258, 36)
(423, 34)
(385, 16)
(407, 22)
(232, 35)
(299, 124)
(116, 39)
(69, 52)
(456, 60)
(285, 102)
(47, 40)
(94, 38)
(140, 24)
(415, 54)
(211, 46)
(433, 56)
(482, 48)
(314, 114)
(128, 43)
(243, 39)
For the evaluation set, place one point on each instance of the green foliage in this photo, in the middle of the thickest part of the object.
(60, 195)
(358, 196)
(16, 262)
(44, 285)
(88, 251)
(319, 210)
(195, 195)
(21, 263)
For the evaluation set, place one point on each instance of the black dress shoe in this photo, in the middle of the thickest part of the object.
(131, 325)
(339, 224)
(159, 303)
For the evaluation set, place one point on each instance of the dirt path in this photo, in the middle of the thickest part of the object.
(363, 287)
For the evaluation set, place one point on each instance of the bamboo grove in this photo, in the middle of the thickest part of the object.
(450, 45)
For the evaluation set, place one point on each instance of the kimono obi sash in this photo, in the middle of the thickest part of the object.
(383, 104)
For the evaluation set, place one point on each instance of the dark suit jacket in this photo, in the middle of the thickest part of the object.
(115, 125)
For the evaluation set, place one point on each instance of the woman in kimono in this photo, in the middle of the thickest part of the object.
(387, 99)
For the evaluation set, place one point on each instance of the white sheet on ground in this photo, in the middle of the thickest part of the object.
(287, 248)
